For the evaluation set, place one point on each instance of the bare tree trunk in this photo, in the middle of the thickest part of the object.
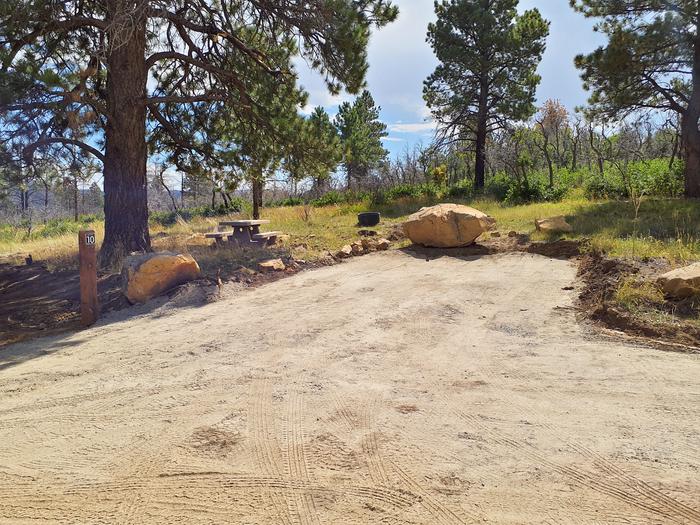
(481, 132)
(75, 196)
(691, 156)
(170, 193)
(599, 156)
(126, 205)
(257, 186)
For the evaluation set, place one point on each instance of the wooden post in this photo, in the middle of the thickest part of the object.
(89, 304)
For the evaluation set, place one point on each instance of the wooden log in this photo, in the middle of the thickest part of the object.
(89, 301)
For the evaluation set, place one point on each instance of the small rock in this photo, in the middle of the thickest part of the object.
(367, 233)
(368, 244)
(345, 252)
(247, 271)
(554, 224)
(272, 265)
(495, 235)
(382, 244)
(512, 234)
(357, 248)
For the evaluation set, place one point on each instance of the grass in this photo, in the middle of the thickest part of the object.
(634, 294)
(664, 228)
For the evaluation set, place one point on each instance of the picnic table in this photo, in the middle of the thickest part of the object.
(244, 233)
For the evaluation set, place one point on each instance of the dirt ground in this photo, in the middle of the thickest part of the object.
(390, 389)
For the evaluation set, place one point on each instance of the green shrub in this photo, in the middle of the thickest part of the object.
(329, 199)
(463, 189)
(656, 178)
(498, 186)
(168, 218)
(606, 187)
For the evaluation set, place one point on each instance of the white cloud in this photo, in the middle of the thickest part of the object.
(393, 139)
(413, 127)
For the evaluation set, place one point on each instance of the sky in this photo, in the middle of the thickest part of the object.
(400, 59)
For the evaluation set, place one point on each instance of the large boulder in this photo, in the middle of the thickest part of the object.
(149, 275)
(447, 226)
(556, 224)
(681, 283)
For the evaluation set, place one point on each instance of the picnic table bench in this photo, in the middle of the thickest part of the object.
(244, 233)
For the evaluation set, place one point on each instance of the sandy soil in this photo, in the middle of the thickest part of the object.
(385, 390)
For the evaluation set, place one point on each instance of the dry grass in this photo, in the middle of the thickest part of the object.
(666, 228)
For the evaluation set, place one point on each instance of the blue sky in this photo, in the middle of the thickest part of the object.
(400, 59)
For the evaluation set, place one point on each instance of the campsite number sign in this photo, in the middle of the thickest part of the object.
(89, 306)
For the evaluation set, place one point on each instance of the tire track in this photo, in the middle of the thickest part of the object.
(439, 511)
(266, 449)
(370, 446)
(198, 486)
(610, 469)
(297, 458)
(672, 510)
(380, 474)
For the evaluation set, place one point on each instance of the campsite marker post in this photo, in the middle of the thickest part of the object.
(89, 305)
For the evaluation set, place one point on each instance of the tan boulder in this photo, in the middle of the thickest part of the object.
(682, 282)
(447, 226)
(272, 265)
(556, 224)
(149, 275)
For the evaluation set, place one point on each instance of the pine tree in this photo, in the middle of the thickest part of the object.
(361, 134)
(651, 61)
(487, 73)
(116, 69)
(318, 151)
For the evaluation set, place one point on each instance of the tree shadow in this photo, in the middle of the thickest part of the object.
(667, 220)
(26, 351)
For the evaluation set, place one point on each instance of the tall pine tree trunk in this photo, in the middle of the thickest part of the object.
(690, 134)
(257, 196)
(691, 155)
(126, 206)
(481, 132)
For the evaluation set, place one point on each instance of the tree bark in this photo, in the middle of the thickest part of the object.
(75, 196)
(691, 155)
(482, 119)
(690, 134)
(126, 205)
(257, 185)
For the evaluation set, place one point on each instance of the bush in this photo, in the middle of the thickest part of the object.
(498, 186)
(463, 189)
(607, 187)
(329, 199)
(168, 218)
(288, 202)
(654, 178)
(513, 192)
(658, 179)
